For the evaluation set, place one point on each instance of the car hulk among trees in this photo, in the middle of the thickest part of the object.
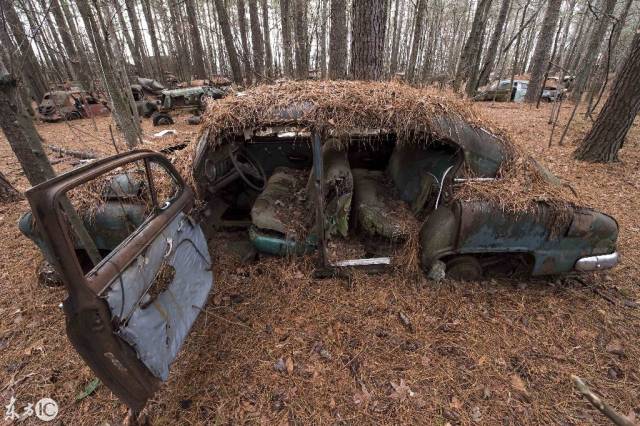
(354, 174)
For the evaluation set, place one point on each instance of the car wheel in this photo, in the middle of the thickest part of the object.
(162, 119)
(464, 268)
(73, 115)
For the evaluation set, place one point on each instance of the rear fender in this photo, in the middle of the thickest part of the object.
(439, 234)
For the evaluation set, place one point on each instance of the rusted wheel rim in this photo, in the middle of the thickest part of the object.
(464, 268)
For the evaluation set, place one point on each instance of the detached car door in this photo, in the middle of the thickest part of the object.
(135, 264)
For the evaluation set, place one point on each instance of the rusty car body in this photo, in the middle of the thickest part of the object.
(61, 105)
(189, 98)
(136, 264)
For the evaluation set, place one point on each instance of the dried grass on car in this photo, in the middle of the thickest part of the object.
(345, 107)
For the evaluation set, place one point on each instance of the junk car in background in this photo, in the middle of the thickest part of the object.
(351, 183)
(61, 105)
(189, 99)
(503, 91)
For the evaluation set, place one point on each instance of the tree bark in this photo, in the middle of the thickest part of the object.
(223, 20)
(322, 41)
(84, 69)
(124, 115)
(593, 48)
(127, 37)
(138, 43)
(20, 132)
(8, 193)
(30, 68)
(338, 40)
(470, 50)
(267, 38)
(151, 25)
(198, 51)
(610, 129)
(67, 42)
(301, 39)
(543, 47)
(487, 67)
(55, 31)
(285, 18)
(367, 41)
(421, 7)
(395, 43)
(181, 53)
(246, 54)
(256, 41)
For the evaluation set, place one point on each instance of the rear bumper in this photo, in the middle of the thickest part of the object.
(596, 263)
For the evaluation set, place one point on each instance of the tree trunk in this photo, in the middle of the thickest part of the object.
(127, 37)
(210, 40)
(198, 51)
(55, 31)
(421, 7)
(338, 40)
(487, 67)
(20, 132)
(367, 41)
(151, 25)
(395, 43)
(30, 68)
(470, 49)
(285, 18)
(137, 38)
(322, 41)
(267, 38)
(8, 193)
(181, 53)
(121, 108)
(608, 133)
(256, 41)
(543, 48)
(593, 48)
(301, 39)
(246, 55)
(83, 69)
(223, 20)
(66, 40)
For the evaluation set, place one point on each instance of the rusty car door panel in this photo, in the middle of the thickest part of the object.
(129, 315)
(177, 260)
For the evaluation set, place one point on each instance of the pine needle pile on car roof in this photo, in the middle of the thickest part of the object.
(345, 108)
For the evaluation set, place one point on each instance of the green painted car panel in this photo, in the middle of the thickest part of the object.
(482, 228)
(278, 246)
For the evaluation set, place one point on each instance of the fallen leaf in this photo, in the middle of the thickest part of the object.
(88, 389)
(289, 365)
(455, 403)
(519, 386)
(401, 391)
(615, 347)
(362, 397)
(476, 414)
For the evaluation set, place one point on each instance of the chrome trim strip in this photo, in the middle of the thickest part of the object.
(595, 263)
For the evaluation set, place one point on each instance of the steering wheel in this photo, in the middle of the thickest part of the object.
(249, 169)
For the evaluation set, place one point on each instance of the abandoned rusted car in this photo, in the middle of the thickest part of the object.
(190, 98)
(503, 91)
(349, 172)
(70, 105)
(146, 94)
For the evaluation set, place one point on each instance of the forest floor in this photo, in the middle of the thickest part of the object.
(491, 352)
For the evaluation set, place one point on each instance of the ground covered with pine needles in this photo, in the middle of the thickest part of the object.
(273, 345)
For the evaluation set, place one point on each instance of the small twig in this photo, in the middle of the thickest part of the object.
(113, 140)
(602, 406)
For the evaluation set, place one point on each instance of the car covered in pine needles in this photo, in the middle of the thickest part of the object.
(353, 174)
